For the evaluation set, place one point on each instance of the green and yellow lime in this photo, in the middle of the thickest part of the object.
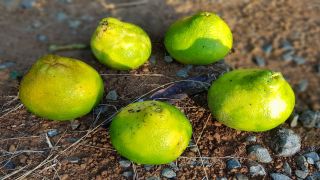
(251, 99)
(150, 132)
(200, 39)
(120, 45)
(61, 88)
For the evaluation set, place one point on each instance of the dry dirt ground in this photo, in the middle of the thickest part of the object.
(27, 32)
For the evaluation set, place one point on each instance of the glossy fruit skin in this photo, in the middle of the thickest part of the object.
(201, 39)
(251, 99)
(150, 132)
(61, 88)
(120, 45)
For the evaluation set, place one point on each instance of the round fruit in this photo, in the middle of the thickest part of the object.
(61, 88)
(150, 132)
(251, 99)
(120, 45)
(200, 39)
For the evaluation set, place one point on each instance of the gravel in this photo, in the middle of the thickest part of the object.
(112, 95)
(127, 174)
(288, 56)
(302, 163)
(183, 73)
(153, 60)
(148, 167)
(174, 166)
(27, 4)
(317, 164)
(74, 24)
(168, 59)
(284, 142)
(73, 159)
(259, 61)
(302, 85)
(52, 132)
(286, 45)
(298, 60)
(287, 169)
(168, 173)
(251, 139)
(42, 38)
(61, 16)
(314, 176)
(240, 176)
(222, 178)
(267, 48)
(310, 119)
(312, 155)
(301, 174)
(124, 163)
(8, 164)
(279, 176)
(259, 153)
(153, 178)
(233, 164)
(257, 170)
(74, 124)
(6, 65)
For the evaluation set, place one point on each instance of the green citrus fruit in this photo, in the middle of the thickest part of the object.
(251, 99)
(150, 132)
(120, 45)
(200, 39)
(61, 88)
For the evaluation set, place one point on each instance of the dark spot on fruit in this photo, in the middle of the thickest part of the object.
(202, 46)
(230, 80)
(131, 111)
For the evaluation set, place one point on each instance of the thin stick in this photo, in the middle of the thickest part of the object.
(14, 109)
(205, 125)
(122, 5)
(48, 141)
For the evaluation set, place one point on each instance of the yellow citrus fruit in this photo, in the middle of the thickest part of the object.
(251, 99)
(61, 88)
(200, 39)
(120, 45)
(150, 132)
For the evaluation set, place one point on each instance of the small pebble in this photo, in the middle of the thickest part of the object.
(298, 60)
(184, 71)
(310, 160)
(294, 121)
(27, 4)
(233, 164)
(222, 178)
(112, 95)
(309, 118)
(87, 17)
(312, 155)
(301, 174)
(267, 48)
(42, 38)
(287, 169)
(124, 163)
(52, 132)
(100, 109)
(251, 139)
(314, 176)
(279, 176)
(286, 45)
(72, 139)
(12, 148)
(8, 164)
(239, 176)
(302, 163)
(259, 61)
(153, 60)
(74, 124)
(153, 178)
(284, 142)
(6, 65)
(73, 159)
(15, 75)
(257, 170)
(148, 167)
(303, 85)
(36, 24)
(168, 59)
(74, 24)
(65, 1)
(288, 56)
(61, 16)
(127, 174)
(259, 153)
(317, 165)
(174, 166)
(168, 173)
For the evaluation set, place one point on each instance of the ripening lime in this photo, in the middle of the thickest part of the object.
(150, 132)
(251, 99)
(200, 39)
